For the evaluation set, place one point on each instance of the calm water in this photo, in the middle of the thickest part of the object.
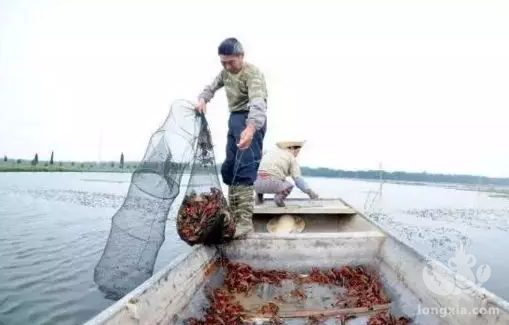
(53, 228)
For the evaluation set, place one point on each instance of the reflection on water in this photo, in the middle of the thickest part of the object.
(54, 227)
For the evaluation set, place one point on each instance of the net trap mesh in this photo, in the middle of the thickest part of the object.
(180, 148)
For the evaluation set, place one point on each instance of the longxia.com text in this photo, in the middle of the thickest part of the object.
(444, 311)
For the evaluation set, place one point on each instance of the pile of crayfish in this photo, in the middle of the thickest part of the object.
(383, 317)
(198, 215)
(223, 310)
(364, 289)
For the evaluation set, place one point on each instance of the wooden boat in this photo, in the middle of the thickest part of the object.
(335, 234)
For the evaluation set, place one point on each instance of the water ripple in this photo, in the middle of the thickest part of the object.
(486, 219)
(437, 242)
(88, 199)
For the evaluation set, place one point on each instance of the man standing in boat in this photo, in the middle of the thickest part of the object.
(246, 93)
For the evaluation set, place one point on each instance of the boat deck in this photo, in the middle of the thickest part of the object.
(320, 216)
(303, 206)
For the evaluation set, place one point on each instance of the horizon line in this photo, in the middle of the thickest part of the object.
(302, 166)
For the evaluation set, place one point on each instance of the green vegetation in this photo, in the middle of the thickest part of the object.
(405, 176)
(36, 165)
(122, 166)
(46, 166)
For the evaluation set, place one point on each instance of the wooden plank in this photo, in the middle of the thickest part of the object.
(324, 312)
(304, 206)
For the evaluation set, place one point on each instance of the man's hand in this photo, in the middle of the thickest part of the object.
(246, 137)
(201, 107)
(312, 195)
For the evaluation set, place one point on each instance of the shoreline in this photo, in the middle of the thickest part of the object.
(59, 169)
(493, 190)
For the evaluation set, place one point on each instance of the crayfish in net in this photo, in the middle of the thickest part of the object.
(364, 294)
(205, 218)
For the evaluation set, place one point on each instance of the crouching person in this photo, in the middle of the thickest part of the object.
(274, 167)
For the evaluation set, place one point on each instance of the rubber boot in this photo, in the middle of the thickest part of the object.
(231, 198)
(232, 203)
(259, 198)
(242, 209)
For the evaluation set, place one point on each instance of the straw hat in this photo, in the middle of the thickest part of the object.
(287, 144)
(285, 224)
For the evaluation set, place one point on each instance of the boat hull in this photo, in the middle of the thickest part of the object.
(178, 291)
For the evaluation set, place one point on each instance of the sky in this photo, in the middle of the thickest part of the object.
(411, 85)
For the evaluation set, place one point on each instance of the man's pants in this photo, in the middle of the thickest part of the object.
(239, 171)
(271, 184)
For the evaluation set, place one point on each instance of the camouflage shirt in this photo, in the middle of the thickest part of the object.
(245, 91)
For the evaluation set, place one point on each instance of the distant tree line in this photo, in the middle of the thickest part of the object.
(404, 176)
(159, 166)
(168, 166)
(35, 161)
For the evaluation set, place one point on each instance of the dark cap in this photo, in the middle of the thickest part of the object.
(230, 46)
